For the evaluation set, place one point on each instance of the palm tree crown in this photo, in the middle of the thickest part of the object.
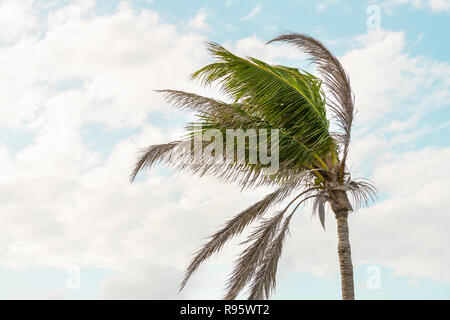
(311, 158)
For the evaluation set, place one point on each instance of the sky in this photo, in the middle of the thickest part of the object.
(77, 103)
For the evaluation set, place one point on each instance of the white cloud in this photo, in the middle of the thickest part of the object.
(406, 231)
(198, 22)
(436, 6)
(439, 5)
(389, 87)
(322, 5)
(146, 280)
(16, 20)
(413, 220)
(252, 13)
(102, 69)
(272, 53)
(385, 76)
(111, 59)
(143, 281)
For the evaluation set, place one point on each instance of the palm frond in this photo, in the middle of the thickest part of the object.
(335, 79)
(228, 115)
(264, 280)
(182, 155)
(288, 105)
(260, 239)
(362, 191)
(318, 205)
(218, 115)
(281, 97)
(251, 256)
(237, 224)
(151, 155)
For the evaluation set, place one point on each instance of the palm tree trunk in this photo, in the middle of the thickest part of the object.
(341, 206)
(345, 257)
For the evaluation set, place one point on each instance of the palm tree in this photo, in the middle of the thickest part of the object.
(312, 158)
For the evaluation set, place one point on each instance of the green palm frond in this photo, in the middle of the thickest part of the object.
(266, 97)
(282, 97)
(214, 114)
(336, 81)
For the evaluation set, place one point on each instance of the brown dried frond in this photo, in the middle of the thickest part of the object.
(224, 114)
(362, 191)
(180, 155)
(252, 255)
(237, 224)
(261, 238)
(264, 280)
(190, 101)
(152, 154)
(264, 276)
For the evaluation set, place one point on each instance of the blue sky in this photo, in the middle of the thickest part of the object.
(77, 104)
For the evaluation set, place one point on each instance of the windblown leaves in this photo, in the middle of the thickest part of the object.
(248, 261)
(335, 79)
(260, 259)
(293, 155)
(264, 279)
(236, 225)
(282, 97)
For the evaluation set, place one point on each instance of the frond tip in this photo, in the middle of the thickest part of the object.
(151, 155)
